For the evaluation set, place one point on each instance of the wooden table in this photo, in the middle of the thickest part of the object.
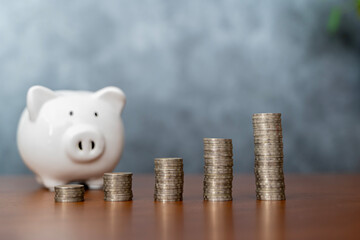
(317, 207)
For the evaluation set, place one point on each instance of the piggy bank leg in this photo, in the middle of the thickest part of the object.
(39, 180)
(51, 183)
(94, 184)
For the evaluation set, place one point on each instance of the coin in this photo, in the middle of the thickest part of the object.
(269, 156)
(216, 140)
(169, 185)
(220, 154)
(166, 181)
(268, 169)
(118, 199)
(117, 186)
(118, 174)
(268, 164)
(168, 161)
(267, 140)
(262, 184)
(68, 200)
(69, 193)
(217, 183)
(170, 199)
(268, 133)
(266, 115)
(218, 198)
(259, 149)
(218, 172)
(270, 196)
(169, 179)
(218, 163)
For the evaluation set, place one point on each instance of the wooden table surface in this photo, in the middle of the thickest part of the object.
(317, 207)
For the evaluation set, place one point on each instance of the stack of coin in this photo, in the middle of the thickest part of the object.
(117, 186)
(69, 193)
(169, 179)
(270, 184)
(218, 156)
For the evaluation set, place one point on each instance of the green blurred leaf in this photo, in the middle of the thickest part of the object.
(358, 7)
(334, 19)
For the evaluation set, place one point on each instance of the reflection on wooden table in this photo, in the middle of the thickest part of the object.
(317, 207)
(219, 222)
(270, 217)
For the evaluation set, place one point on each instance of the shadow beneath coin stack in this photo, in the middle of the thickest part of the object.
(219, 222)
(169, 220)
(270, 220)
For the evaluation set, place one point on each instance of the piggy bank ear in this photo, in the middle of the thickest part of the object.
(113, 95)
(36, 97)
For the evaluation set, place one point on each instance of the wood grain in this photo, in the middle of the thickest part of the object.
(317, 207)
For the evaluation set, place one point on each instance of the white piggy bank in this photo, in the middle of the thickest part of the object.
(67, 136)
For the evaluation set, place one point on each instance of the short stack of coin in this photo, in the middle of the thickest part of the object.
(270, 183)
(69, 193)
(218, 169)
(169, 179)
(118, 186)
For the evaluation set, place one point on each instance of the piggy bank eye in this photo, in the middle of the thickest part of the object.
(96, 114)
(71, 113)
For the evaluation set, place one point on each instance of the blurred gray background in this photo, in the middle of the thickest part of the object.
(194, 69)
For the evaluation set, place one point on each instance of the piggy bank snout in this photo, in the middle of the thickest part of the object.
(84, 143)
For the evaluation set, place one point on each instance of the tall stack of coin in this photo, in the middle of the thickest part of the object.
(218, 169)
(117, 186)
(270, 183)
(169, 179)
(69, 193)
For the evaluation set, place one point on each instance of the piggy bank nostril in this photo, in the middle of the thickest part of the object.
(84, 145)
